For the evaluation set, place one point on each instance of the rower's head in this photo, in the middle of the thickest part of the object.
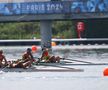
(45, 49)
(1, 51)
(29, 50)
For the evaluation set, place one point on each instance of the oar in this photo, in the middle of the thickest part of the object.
(37, 61)
(1, 71)
(67, 68)
(77, 60)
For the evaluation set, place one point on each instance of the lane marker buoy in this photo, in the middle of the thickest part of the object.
(34, 48)
(105, 72)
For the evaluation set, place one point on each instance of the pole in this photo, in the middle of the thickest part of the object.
(46, 33)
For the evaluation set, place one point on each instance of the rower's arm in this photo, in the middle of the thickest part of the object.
(5, 60)
(42, 56)
(31, 56)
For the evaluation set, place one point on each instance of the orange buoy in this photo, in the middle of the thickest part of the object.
(53, 43)
(105, 72)
(34, 48)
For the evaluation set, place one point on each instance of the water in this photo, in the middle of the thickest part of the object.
(91, 79)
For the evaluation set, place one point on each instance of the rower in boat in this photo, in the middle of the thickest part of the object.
(26, 61)
(3, 61)
(47, 58)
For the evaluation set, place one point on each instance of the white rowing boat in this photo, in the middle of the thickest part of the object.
(42, 68)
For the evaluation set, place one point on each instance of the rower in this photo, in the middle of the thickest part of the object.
(47, 58)
(26, 61)
(27, 56)
(3, 61)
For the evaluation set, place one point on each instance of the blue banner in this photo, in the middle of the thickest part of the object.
(10, 8)
(55, 7)
(88, 6)
(42, 8)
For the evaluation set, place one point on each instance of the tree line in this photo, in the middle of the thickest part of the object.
(29, 30)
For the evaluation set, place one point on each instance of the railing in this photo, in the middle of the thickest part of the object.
(37, 42)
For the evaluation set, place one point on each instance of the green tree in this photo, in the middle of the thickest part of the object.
(28, 30)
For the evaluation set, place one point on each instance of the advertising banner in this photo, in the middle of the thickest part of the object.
(53, 7)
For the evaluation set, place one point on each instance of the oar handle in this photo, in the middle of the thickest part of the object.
(62, 58)
(37, 61)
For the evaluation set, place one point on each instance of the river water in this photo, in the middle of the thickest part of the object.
(91, 79)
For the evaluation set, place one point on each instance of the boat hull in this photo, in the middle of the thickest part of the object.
(42, 69)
